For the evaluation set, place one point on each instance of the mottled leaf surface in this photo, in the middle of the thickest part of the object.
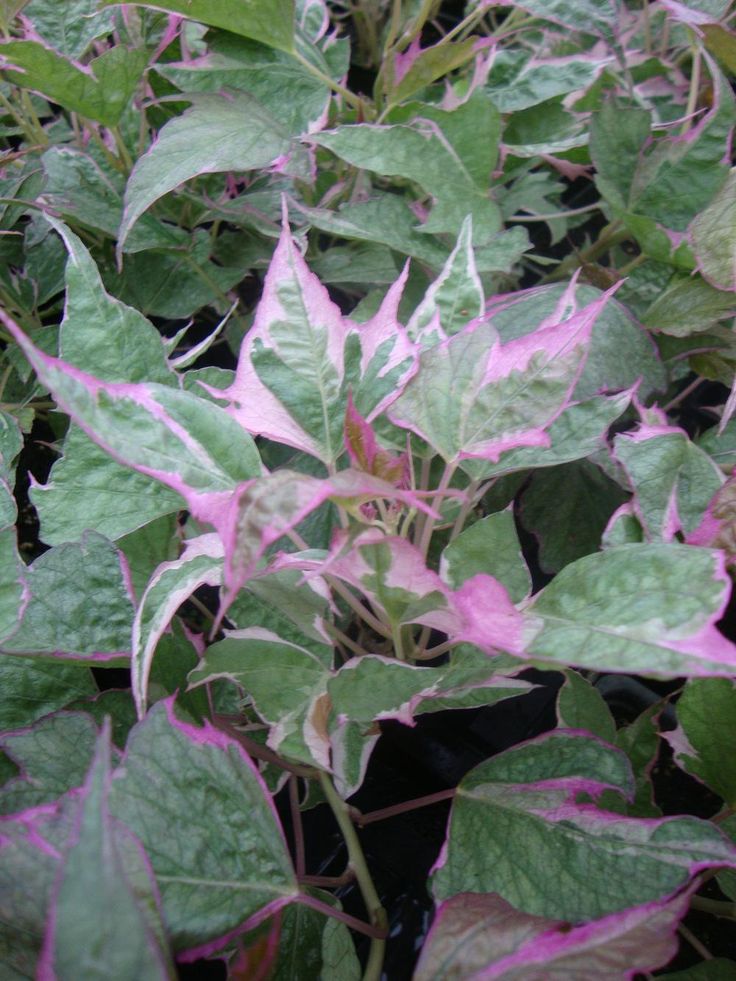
(518, 810)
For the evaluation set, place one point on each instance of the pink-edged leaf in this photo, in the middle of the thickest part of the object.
(478, 936)
(188, 443)
(365, 452)
(171, 584)
(235, 870)
(476, 397)
(636, 608)
(302, 357)
(673, 479)
(104, 916)
(521, 810)
(266, 509)
(717, 528)
(713, 237)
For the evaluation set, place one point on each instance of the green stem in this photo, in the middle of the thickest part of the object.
(718, 907)
(611, 235)
(19, 119)
(429, 524)
(30, 115)
(556, 214)
(350, 97)
(692, 98)
(375, 910)
(357, 607)
(122, 149)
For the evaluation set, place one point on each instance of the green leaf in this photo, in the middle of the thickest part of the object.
(171, 584)
(384, 218)
(106, 918)
(100, 92)
(85, 194)
(148, 546)
(689, 306)
(69, 28)
(259, 660)
(716, 969)
(101, 335)
(593, 16)
(581, 706)
(218, 133)
(721, 446)
(235, 866)
(706, 712)
(518, 810)
(456, 296)
(416, 153)
(579, 431)
(268, 21)
(567, 509)
(517, 81)
(32, 689)
(88, 489)
(673, 479)
(714, 239)
(644, 609)
(424, 67)
(283, 86)
(641, 741)
(59, 620)
(53, 756)
(492, 546)
(617, 136)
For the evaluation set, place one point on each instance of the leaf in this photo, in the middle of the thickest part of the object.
(88, 490)
(491, 546)
(456, 296)
(99, 91)
(85, 194)
(101, 335)
(567, 509)
(673, 480)
(105, 916)
(235, 870)
(579, 431)
(283, 86)
(593, 16)
(384, 218)
(688, 306)
(53, 756)
(217, 133)
(70, 30)
(259, 660)
(268, 21)
(186, 442)
(475, 935)
(301, 360)
(713, 238)
(706, 717)
(581, 706)
(416, 68)
(30, 850)
(618, 135)
(172, 584)
(59, 621)
(681, 177)
(517, 82)
(518, 810)
(415, 152)
(642, 609)
(476, 397)
(32, 689)
(620, 352)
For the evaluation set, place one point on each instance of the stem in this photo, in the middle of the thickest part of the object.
(122, 149)
(465, 508)
(376, 934)
(681, 396)
(429, 523)
(352, 100)
(373, 905)
(20, 120)
(434, 652)
(611, 235)
(409, 805)
(694, 942)
(718, 907)
(342, 638)
(398, 642)
(328, 881)
(692, 98)
(357, 607)
(296, 820)
(260, 752)
(556, 214)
